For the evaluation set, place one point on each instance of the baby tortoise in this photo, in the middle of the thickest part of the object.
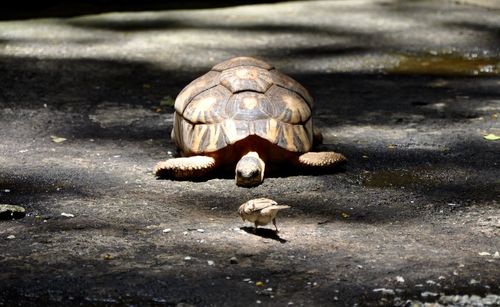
(245, 114)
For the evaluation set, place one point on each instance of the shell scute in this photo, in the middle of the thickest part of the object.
(290, 107)
(287, 82)
(203, 83)
(208, 106)
(246, 78)
(297, 138)
(249, 106)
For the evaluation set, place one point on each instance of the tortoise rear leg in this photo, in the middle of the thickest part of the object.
(322, 160)
(185, 168)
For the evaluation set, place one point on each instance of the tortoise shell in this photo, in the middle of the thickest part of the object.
(238, 98)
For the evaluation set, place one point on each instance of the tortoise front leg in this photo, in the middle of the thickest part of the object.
(322, 160)
(185, 168)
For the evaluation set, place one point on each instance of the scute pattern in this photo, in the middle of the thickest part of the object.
(208, 106)
(288, 83)
(208, 80)
(239, 98)
(291, 108)
(200, 138)
(249, 106)
(246, 78)
(297, 138)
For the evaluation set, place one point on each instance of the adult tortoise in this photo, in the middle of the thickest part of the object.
(244, 112)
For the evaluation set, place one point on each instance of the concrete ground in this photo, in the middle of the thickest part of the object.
(407, 90)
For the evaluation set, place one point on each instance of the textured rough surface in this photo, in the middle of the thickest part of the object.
(182, 168)
(322, 159)
(415, 213)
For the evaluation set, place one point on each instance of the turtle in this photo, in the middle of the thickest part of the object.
(244, 114)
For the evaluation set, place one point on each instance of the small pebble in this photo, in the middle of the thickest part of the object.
(210, 262)
(384, 291)
(400, 279)
(167, 230)
(233, 260)
(200, 230)
(11, 237)
(187, 258)
(67, 214)
(258, 302)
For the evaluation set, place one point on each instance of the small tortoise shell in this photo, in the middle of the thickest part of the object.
(238, 98)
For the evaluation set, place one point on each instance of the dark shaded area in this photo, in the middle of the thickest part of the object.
(37, 187)
(105, 77)
(65, 8)
(342, 98)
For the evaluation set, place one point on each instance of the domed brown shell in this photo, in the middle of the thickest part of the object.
(238, 98)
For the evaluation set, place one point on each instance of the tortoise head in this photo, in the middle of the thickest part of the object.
(250, 170)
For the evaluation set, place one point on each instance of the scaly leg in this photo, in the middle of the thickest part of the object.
(325, 159)
(185, 168)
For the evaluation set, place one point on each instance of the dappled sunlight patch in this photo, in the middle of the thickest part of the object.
(447, 63)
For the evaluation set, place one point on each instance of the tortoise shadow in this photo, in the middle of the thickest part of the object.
(264, 233)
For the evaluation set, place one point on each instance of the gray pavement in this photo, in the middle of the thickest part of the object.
(407, 90)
